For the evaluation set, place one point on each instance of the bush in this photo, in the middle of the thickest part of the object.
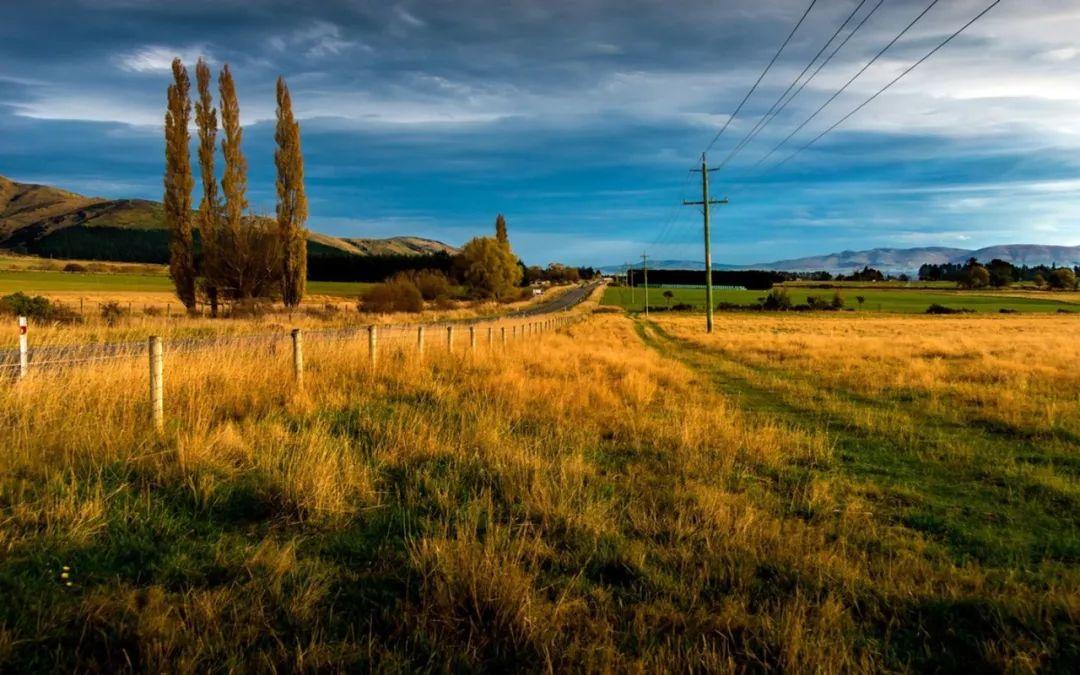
(433, 285)
(817, 302)
(112, 312)
(74, 267)
(37, 308)
(777, 299)
(395, 295)
(942, 309)
(837, 300)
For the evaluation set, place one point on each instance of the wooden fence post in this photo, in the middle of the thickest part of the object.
(157, 383)
(298, 357)
(472, 338)
(420, 340)
(24, 351)
(503, 330)
(373, 344)
(491, 335)
(449, 339)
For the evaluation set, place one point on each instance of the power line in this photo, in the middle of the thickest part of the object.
(881, 91)
(822, 65)
(849, 82)
(761, 121)
(760, 78)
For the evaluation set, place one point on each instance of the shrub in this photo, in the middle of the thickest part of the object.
(395, 295)
(777, 299)
(75, 268)
(942, 309)
(151, 310)
(37, 308)
(817, 302)
(112, 312)
(837, 300)
(432, 284)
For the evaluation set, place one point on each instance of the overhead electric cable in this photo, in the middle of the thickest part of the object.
(760, 78)
(761, 121)
(881, 91)
(847, 84)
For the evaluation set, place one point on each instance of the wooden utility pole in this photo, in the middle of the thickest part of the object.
(705, 203)
(645, 272)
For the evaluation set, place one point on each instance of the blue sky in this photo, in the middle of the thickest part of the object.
(578, 120)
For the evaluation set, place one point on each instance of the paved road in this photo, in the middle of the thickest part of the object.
(58, 356)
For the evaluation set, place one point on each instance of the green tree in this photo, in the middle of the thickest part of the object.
(500, 230)
(1001, 273)
(1062, 278)
(292, 207)
(178, 185)
(209, 215)
(973, 275)
(489, 268)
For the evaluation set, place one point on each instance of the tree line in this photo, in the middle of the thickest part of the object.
(242, 256)
(1000, 274)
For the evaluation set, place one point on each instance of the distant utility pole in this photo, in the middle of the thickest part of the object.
(645, 272)
(704, 204)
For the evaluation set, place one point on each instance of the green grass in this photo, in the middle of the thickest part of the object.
(901, 300)
(37, 282)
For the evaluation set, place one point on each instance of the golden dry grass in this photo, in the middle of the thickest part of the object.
(611, 496)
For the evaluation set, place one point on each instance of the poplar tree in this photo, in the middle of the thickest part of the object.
(178, 185)
(292, 208)
(500, 230)
(209, 216)
(233, 186)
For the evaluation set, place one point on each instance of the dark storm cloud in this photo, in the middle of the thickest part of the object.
(576, 118)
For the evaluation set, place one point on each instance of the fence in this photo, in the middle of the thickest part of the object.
(56, 360)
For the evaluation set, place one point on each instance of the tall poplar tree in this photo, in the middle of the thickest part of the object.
(500, 230)
(233, 186)
(292, 208)
(209, 216)
(178, 185)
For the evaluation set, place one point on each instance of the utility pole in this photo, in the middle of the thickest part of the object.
(645, 272)
(705, 203)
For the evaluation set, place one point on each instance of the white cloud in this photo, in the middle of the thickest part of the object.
(159, 58)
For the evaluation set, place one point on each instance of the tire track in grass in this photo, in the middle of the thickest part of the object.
(955, 484)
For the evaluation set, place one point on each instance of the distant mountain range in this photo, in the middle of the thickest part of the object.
(47, 221)
(894, 260)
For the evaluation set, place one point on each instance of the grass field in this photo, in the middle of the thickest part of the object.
(887, 299)
(806, 493)
(114, 284)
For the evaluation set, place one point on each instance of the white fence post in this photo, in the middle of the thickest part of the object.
(157, 384)
(24, 352)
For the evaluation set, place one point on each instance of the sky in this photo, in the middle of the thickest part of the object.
(580, 120)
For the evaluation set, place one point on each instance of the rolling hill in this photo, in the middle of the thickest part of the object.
(47, 221)
(896, 260)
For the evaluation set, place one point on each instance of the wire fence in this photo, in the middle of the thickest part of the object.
(58, 359)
